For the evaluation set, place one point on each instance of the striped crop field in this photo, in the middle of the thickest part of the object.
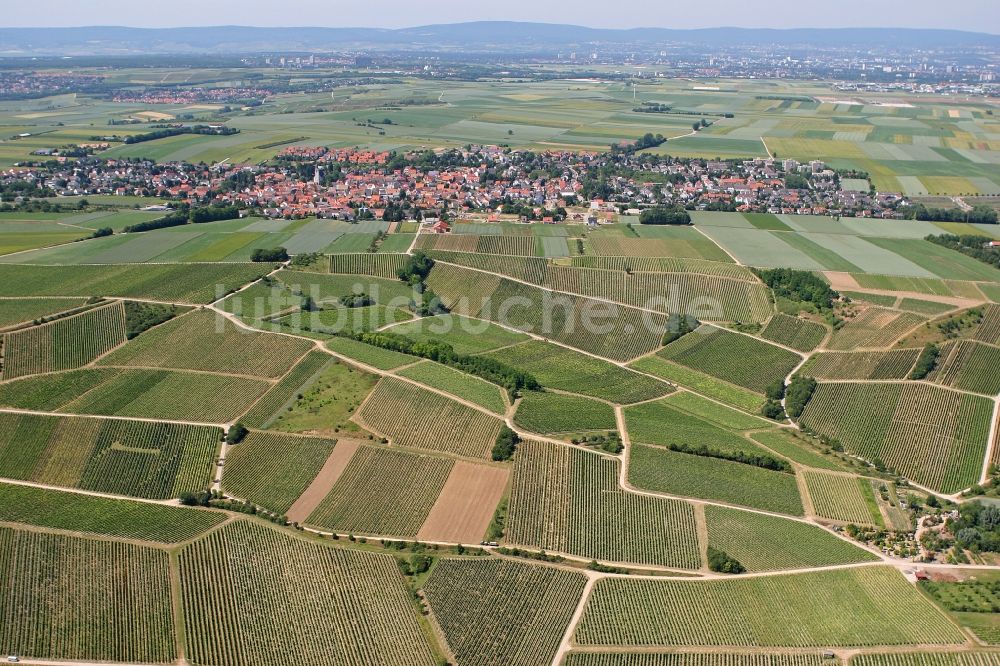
(567, 370)
(254, 595)
(927, 659)
(518, 246)
(178, 283)
(103, 516)
(281, 396)
(65, 343)
(665, 265)
(136, 458)
(931, 435)
(874, 328)
(383, 491)
(767, 543)
(970, 366)
(68, 597)
(732, 357)
(528, 269)
(708, 297)
(14, 311)
(568, 500)
(272, 470)
(848, 499)
(889, 364)
(800, 334)
(468, 387)
(988, 330)
(545, 413)
(414, 417)
(496, 611)
(613, 331)
(169, 394)
(206, 341)
(383, 265)
(692, 659)
(669, 288)
(324, 288)
(867, 606)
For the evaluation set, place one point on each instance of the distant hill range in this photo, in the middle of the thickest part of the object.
(484, 36)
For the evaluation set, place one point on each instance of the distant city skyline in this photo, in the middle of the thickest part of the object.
(972, 15)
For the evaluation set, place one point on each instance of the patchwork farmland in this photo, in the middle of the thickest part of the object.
(541, 437)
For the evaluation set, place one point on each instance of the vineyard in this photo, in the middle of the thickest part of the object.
(383, 491)
(73, 598)
(794, 446)
(280, 396)
(135, 458)
(179, 283)
(165, 394)
(501, 612)
(206, 341)
(731, 394)
(662, 470)
(626, 332)
(376, 357)
(546, 413)
(800, 334)
(732, 357)
(414, 417)
(483, 393)
(528, 269)
(569, 500)
(707, 297)
(15, 311)
(766, 543)
(868, 606)
(273, 470)
(375, 265)
(567, 370)
(98, 515)
(693, 659)
(874, 328)
(323, 288)
(687, 244)
(891, 364)
(466, 336)
(665, 265)
(933, 436)
(970, 366)
(688, 421)
(253, 595)
(64, 344)
(847, 499)
(518, 246)
(988, 330)
(928, 659)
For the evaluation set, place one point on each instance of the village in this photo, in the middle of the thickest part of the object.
(477, 181)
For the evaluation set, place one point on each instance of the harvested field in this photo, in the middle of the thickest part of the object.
(465, 506)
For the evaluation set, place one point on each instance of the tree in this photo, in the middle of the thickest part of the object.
(274, 254)
(506, 444)
(236, 434)
(797, 395)
(721, 562)
(660, 215)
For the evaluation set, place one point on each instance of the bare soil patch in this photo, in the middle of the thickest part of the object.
(465, 507)
(324, 481)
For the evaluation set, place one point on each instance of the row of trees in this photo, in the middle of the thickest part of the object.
(976, 247)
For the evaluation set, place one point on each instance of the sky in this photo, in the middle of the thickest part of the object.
(975, 15)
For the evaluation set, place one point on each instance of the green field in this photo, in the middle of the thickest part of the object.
(417, 418)
(763, 543)
(547, 413)
(98, 515)
(893, 423)
(133, 458)
(76, 598)
(568, 500)
(502, 612)
(459, 384)
(242, 586)
(870, 606)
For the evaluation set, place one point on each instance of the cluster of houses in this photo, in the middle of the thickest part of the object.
(484, 180)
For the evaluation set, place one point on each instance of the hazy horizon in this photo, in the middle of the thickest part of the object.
(970, 15)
